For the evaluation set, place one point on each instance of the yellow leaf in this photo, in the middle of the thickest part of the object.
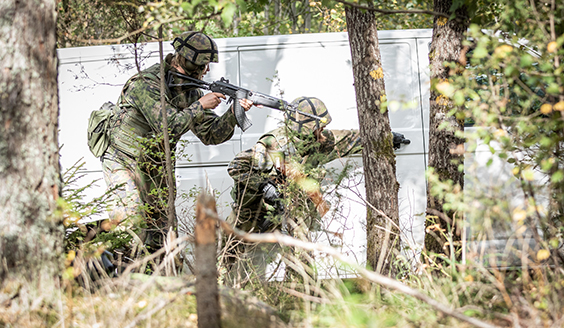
(542, 254)
(546, 108)
(469, 278)
(442, 100)
(445, 88)
(377, 74)
(442, 21)
(515, 171)
(528, 175)
(503, 50)
(71, 255)
(551, 46)
(559, 106)
(500, 133)
(308, 184)
(521, 230)
(519, 214)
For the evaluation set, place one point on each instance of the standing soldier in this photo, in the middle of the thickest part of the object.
(134, 163)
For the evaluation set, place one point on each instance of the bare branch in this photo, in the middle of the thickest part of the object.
(391, 12)
(140, 30)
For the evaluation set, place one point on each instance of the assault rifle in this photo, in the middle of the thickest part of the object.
(235, 93)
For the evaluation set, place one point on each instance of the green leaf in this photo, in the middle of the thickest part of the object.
(553, 89)
(546, 165)
(557, 177)
(546, 142)
(526, 60)
(510, 70)
(227, 13)
(480, 52)
(459, 98)
(187, 7)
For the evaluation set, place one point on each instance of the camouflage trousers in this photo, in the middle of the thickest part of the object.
(134, 204)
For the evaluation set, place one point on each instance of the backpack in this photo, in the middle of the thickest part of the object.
(98, 129)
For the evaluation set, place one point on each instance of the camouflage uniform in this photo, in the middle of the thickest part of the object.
(294, 143)
(134, 162)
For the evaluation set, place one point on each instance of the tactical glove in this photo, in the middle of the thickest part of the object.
(399, 139)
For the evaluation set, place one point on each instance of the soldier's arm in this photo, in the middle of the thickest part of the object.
(214, 129)
(346, 143)
(209, 127)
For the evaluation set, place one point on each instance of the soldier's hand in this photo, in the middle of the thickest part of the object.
(246, 104)
(211, 100)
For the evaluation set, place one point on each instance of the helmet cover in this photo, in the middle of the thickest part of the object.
(196, 47)
(305, 124)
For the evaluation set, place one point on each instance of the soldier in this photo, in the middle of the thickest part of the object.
(262, 174)
(134, 162)
(286, 153)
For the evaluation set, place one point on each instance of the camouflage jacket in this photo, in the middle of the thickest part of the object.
(140, 115)
(251, 168)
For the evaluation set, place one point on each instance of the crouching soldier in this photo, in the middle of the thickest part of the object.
(282, 157)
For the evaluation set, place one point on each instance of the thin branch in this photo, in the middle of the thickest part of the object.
(140, 30)
(391, 12)
(277, 237)
(171, 208)
(305, 296)
(538, 20)
(156, 254)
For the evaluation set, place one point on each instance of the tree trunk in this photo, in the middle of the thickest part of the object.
(31, 235)
(294, 13)
(378, 155)
(446, 151)
(277, 16)
(209, 312)
(307, 17)
(267, 17)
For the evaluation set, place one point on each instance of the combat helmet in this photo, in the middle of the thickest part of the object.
(196, 47)
(304, 124)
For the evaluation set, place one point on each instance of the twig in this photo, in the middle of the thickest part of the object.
(305, 296)
(156, 254)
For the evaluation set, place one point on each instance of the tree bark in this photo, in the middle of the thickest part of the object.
(378, 155)
(207, 299)
(446, 150)
(31, 234)
(277, 16)
(307, 17)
